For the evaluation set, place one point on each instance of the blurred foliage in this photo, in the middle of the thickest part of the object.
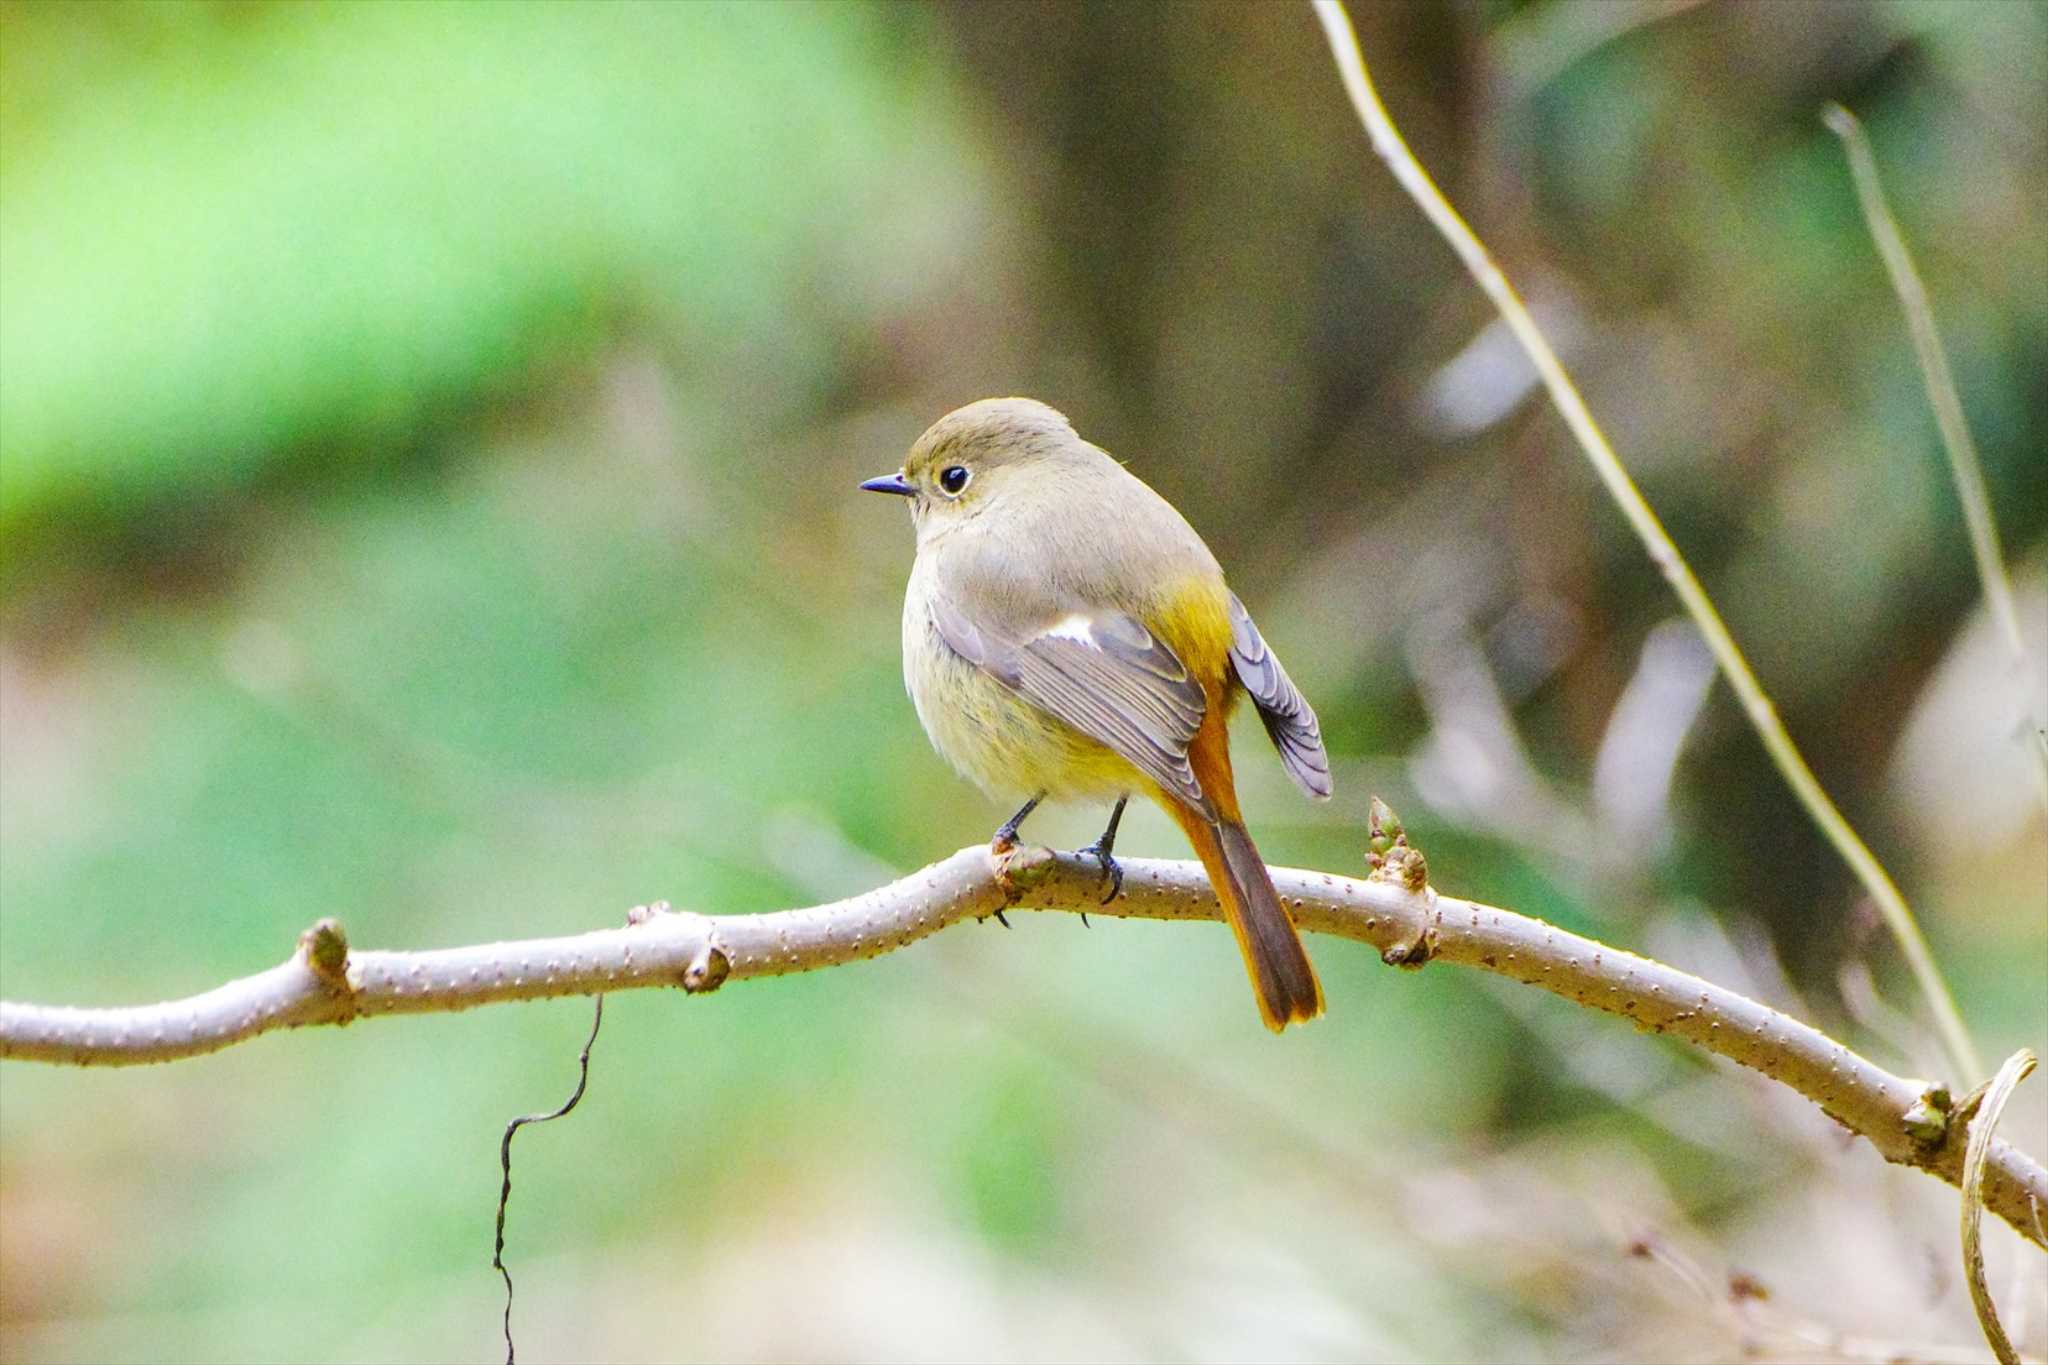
(427, 439)
(312, 231)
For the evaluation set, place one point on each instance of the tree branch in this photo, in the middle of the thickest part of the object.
(1908, 1122)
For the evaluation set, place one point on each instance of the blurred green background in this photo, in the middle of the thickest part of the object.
(427, 447)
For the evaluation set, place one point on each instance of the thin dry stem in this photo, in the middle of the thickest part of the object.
(1388, 143)
(1948, 416)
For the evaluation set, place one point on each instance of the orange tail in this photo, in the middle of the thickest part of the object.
(1281, 974)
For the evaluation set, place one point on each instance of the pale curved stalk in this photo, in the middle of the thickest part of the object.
(1975, 1152)
(1891, 903)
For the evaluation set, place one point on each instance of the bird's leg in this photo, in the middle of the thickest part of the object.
(1005, 838)
(1100, 851)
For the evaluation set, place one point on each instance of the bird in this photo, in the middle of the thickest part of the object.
(1068, 635)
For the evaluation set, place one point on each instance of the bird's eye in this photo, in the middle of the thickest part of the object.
(953, 478)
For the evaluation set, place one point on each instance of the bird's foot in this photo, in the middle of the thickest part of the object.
(1112, 870)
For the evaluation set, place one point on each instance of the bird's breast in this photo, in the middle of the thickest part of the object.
(989, 734)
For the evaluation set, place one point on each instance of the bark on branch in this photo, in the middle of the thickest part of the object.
(1907, 1121)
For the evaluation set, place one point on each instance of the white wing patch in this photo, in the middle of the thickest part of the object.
(1075, 627)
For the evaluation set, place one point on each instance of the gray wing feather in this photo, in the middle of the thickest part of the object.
(1289, 719)
(1104, 674)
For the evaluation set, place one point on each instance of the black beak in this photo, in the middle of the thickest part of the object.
(891, 483)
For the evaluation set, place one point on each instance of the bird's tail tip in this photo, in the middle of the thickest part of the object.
(1282, 976)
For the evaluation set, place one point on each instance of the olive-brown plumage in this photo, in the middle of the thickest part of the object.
(1067, 634)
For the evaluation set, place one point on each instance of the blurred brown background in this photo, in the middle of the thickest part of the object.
(427, 447)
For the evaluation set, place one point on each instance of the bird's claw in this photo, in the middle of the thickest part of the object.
(1112, 870)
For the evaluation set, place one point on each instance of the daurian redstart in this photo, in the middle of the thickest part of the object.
(1067, 634)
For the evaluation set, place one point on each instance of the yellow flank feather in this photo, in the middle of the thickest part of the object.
(1192, 618)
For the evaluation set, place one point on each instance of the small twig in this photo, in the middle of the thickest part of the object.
(1765, 1331)
(505, 1159)
(1948, 415)
(1387, 142)
(1974, 1157)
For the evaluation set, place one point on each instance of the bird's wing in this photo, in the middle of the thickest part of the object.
(1289, 718)
(1101, 672)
